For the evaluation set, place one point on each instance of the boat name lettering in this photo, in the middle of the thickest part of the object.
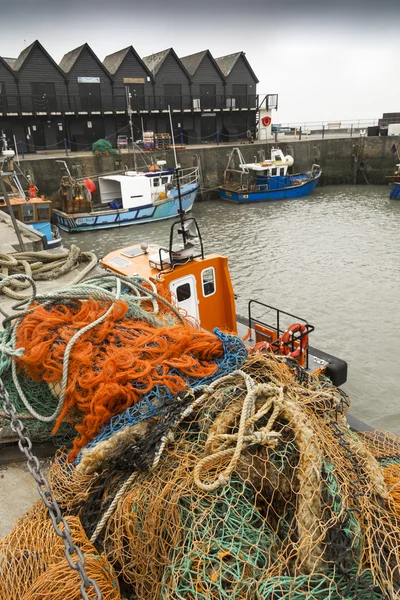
(83, 221)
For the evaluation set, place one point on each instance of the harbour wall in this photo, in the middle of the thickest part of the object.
(343, 161)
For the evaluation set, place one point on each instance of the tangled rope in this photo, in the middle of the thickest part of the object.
(41, 265)
(101, 346)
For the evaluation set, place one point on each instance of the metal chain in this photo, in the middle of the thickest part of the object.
(64, 532)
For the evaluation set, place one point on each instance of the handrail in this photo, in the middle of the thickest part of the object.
(309, 328)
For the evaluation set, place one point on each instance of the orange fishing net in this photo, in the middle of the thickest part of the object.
(34, 567)
(112, 365)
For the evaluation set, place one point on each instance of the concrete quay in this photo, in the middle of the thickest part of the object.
(355, 160)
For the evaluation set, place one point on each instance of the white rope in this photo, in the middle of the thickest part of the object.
(101, 524)
(243, 437)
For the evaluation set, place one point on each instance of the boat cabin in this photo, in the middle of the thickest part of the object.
(135, 189)
(276, 166)
(201, 287)
(35, 212)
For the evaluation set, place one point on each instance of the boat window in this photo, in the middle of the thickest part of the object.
(273, 171)
(43, 212)
(119, 262)
(208, 280)
(164, 180)
(183, 292)
(156, 181)
(27, 213)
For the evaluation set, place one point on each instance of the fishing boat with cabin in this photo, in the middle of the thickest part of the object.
(130, 198)
(201, 286)
(27, 206)
(394, 182)
(266, 179)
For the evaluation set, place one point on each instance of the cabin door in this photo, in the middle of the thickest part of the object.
(184, 290)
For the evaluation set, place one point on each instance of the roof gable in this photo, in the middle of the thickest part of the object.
(154, 62)
(113, 62)
(7, 63)
(193, 61)
(226, 63)
(69, 60)
(19, 63)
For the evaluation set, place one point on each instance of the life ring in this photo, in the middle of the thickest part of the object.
(266, 121)
(287, 336)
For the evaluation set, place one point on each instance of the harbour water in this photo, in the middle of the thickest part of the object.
(332, 258)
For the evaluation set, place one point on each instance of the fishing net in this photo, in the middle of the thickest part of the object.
(99, 355)
(34, 567)
(41, 399)
(103, 147)
(250, 487)
(198, 472)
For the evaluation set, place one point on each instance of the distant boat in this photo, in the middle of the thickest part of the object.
(131, 198)
(266, 180)
(394, 180)
(29, 208)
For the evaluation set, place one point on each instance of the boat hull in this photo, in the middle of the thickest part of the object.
(286, 193)
(122, 218)
(395, 191)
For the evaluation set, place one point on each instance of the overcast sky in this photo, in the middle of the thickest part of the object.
(327, 60)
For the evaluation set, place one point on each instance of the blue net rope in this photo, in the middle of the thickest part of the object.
(234, 357)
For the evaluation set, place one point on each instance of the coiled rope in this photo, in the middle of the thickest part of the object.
(41, 265)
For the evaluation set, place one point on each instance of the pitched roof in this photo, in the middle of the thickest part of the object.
(226, 63)
(9, 61)
(155, 61)
(19, 62)
(193, 61)
(69, 59)
(112, 62)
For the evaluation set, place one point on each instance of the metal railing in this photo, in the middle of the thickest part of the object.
(277, 326)
(187, 176)
(327, 129)
(99, 104)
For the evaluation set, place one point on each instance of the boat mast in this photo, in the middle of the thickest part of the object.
(7, 201)
(172, 136)
(181, 212)
(129, 107)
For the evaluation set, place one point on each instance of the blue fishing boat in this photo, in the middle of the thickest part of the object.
(395, 191)
(394, 180)
(131, 198)
(266, 180)
(24, 204)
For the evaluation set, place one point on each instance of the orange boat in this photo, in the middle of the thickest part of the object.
(201, 286)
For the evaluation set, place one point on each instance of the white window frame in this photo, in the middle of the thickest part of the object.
(202, 283)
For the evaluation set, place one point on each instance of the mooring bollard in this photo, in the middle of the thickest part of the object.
(66, 147)
(181, 138)
(323, 131)
(217, 138)
(21, 145)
